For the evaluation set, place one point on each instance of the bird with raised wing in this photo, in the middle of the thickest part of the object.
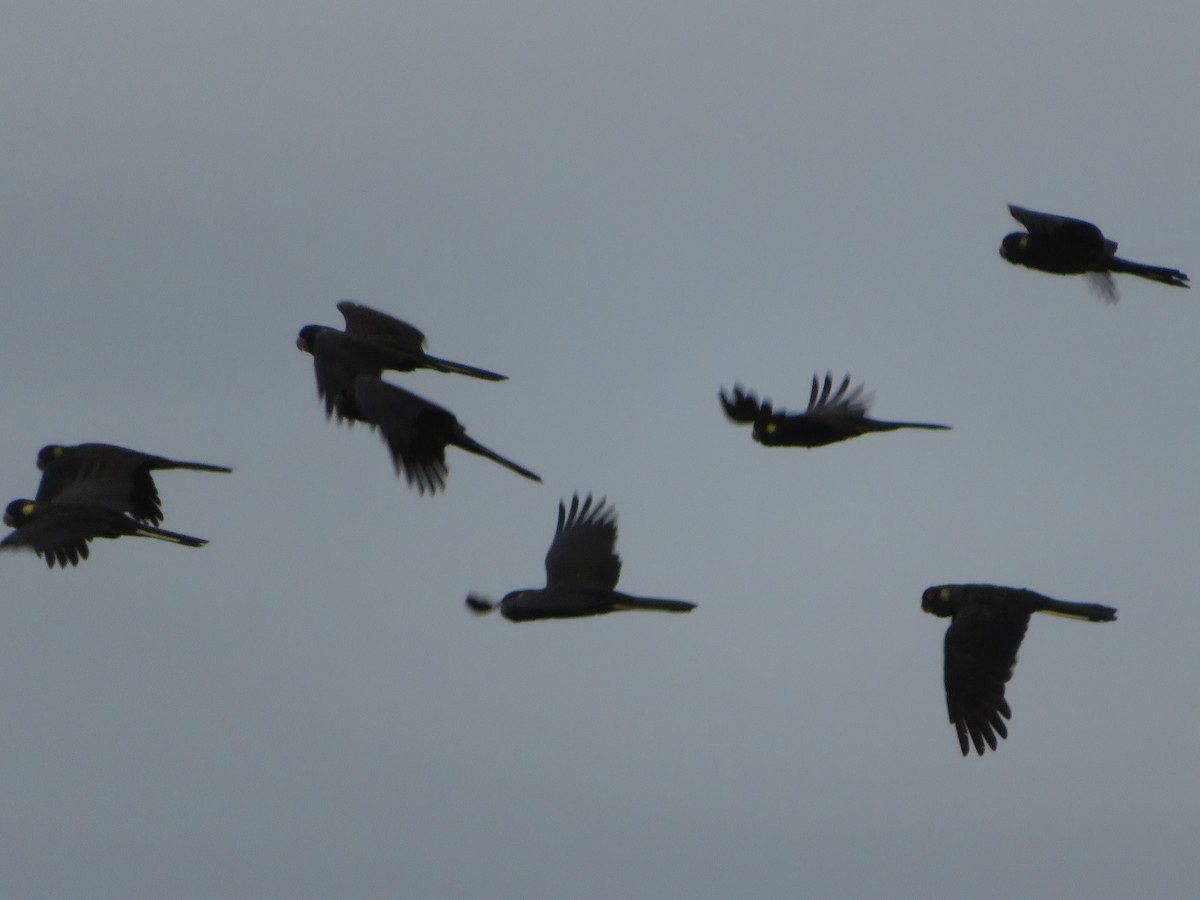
(831, 416)
(582, 569)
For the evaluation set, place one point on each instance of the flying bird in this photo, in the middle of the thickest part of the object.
(416, 431)
(987, 624)
(831, 416)
(372, 343)
(582, 568)
(1065, 246)
(107, 475)
(61, 532)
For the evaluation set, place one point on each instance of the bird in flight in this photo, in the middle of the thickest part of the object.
(831, 416)
(1065, 246)
(416, 431)
(107, 475)
(987, 624)
(372, 343)
(582, 568)
(61, 532)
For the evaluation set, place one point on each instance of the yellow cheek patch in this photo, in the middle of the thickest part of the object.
(944, 594)
(771, 426)
(28, 508)
(1022, 241)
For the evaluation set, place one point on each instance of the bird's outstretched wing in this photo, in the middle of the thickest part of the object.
(415, 430)
(583, 552)
(980, 652)
(837, 406)
(380, 328)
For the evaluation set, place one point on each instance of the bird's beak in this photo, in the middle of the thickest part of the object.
(8, 520)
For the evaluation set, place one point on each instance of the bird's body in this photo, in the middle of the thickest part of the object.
(416, 431)
(1061, 245)
(582, 570)
(119, 478)
(61, 532)
(987, 625)
(527, 605)
(831, 416)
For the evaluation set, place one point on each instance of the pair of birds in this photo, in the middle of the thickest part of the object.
(1051, 243)
(349, 366)
(92, 491)
(987, 622)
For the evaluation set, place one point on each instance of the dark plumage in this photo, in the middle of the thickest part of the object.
(372, 343)
(1065, 246)
(107, 475)
(417, 432)
(60, 532)
(987, 624)
(830, 417)
(582, 569)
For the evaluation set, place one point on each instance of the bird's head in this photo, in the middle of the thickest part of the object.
(940, 601)
(49, 454)
(307, 337)
(516, 606)
(19, 512)
(1012, 248)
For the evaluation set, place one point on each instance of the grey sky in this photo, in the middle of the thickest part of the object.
(623, 207)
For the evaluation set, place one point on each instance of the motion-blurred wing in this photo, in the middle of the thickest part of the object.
(416, 431)
(846, 403)
(744, 408)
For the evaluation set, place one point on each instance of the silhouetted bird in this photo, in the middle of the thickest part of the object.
(582, 569)
(830, 417)
(987, 624)
(1065, 246)
(417, 432)
(372, 343)
(107, 475)
(61, 532)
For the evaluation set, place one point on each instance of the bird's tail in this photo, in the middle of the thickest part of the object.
(445, 365)
(893, 426)
(1155, 273)
(173, 537)
(198, 467)
(479, 604)
(624, 601)
(473, 446)
(1092, 612)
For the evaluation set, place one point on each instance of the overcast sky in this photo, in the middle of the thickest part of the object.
(623, 207)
